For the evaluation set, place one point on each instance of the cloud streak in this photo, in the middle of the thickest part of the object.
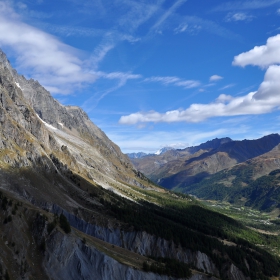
(170, 80)
(238, 17)
(168, 13)
(196, 24)
(121, 79)
(245, 5)
(264, 100)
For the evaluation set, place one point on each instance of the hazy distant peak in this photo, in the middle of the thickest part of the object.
(163, 150)
(136, 155)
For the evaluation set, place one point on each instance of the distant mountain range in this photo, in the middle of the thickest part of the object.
(136, 155)
(190, 170)
(141, 154)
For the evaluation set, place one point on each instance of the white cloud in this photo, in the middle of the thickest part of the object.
(181, 28)
(174, 81)
(269, 90)
(215, 78)
(238, 17)
(223, 98)
(262, 56)
(264, 100)
(122, 77)
(278, 11)
(41, 55)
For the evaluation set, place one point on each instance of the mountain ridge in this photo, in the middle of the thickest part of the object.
(192, 164)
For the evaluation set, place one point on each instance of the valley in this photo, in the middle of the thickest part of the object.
(73, 206)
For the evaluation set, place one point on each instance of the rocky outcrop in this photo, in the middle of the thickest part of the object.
(141, 243)
(67, 258)
(235, 274)
(34, 126)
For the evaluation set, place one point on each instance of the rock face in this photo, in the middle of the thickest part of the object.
(84, 262)
(29, 111)
(142, 243)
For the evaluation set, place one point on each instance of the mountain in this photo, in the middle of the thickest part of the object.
(136, 155)
(243, 172)
(159, 167)
(180, 168)
(163, 150)
(209, 145)
(72, 206)
(253, 183)
(141, 154)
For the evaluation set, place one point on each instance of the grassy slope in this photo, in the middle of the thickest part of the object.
(238, 185)
(165, 214)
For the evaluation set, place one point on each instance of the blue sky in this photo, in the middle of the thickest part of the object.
(154, 73)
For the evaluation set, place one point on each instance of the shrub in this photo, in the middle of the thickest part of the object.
(51, 226)
(64, 224)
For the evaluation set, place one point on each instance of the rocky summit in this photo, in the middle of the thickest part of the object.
(74, 207)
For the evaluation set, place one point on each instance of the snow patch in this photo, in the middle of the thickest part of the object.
(46, 124)
(17, 84)
(61, 124)
(163, 150)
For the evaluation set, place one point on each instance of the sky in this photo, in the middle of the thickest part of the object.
(154, 73)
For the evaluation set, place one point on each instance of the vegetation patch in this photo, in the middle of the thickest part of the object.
(168, 267)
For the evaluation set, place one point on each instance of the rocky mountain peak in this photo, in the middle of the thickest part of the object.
(31, 117)
(4, 60)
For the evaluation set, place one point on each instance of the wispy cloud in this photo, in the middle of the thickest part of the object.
(227, 86)
(67, 30)
(101, 51)
(196, 24)
(121, 79)
(41, 55)
(264, 100)
(60, 68)
(215, 78)
(168, 13)
(238, 17)
(174, 81)
(153, 140)
(137, 14)
(181, 28)
(245, 5)
(56, 65)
